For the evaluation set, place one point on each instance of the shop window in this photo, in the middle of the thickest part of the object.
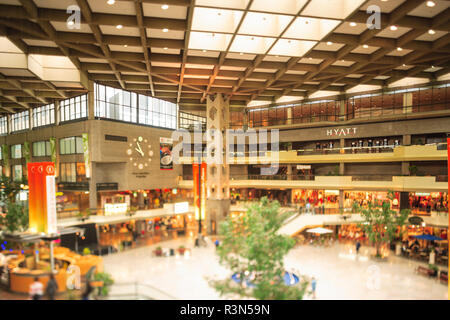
(41, 149)
(3, 125)
(71, 145)
(72, 172)
(16, 151)
(17, 172)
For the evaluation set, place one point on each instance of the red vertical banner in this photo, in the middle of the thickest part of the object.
(199, 202)
(39, 200)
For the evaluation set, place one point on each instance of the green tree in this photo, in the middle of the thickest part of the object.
(380, 222)
(252, 248)
(15, 218)
(9, 188)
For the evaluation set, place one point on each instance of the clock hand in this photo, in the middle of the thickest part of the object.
(140, 149)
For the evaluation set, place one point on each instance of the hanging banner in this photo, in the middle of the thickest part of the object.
(26, 151)
(5, 155)
(199, 203)
(165, 153)
(87, 162)
(53, 149)
(42, 197)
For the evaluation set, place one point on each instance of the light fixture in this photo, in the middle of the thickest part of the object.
(241, 53)
(165, 7)
(119, 26)
(70, 23)
(399, 49)
(125, 45)
(165, 30)
(431, 4)
(432, 67)
(204, 50)
(352, 24)
(111, 2)
(365, 46)
(404, 65)
(165, 48)
(329, 43)
(431, 31)
(393, 28)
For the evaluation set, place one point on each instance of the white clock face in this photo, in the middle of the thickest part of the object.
(140, 153)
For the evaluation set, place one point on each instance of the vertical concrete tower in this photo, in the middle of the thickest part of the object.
(218, 172)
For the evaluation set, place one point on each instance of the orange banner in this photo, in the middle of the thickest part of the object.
(198, 205)
(40, 180)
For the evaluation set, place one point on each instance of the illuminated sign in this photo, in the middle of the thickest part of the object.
(341, 132)
(42, 193)
(181, 207)
(111, 209)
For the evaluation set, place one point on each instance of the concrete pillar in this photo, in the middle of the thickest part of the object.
(57, 112)
(30, 119)
(91, 101)
(405, 168)
(341, 199)
(93, 188)
(289, 116)
(341, 168)
(407, 140)
(140, 199)
(342, 115)
(404, 200)
(218, 174)
(289, 172)
(342, 145)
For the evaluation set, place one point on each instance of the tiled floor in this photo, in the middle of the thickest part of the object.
(339, 272)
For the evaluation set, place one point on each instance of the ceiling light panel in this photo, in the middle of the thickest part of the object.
(248, 44)
(292, 48)
(310, 28)
(336, 9)
(430, 12)
(124, 31)
(62, 26)
(202, 53)
(275, 58)
(388, 33)
(432, 37)
(209, 41)
(279, 6)
(60, 4)
(230, 4)
(368, 50)
(119, 7)
(232, 55)
(171, 34)
(399, 53)
(346, 28)
(165, 51)
(385, 6)
(114, 47)
(329, 47)
(343, 63)
(310, 61)
(155, 10)
(264, 24)
(215, 20)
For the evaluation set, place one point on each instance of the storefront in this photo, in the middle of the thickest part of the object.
(423, 203)
(325, 200)
(70, 203)
(364, 197)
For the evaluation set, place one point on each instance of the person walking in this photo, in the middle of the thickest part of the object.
(358, 245)
(36, 289)
(52, 287)
(313, 287)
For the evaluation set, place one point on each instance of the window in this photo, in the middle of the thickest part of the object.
(16, 151)
(191, 121)
(44, 115)
(17, 172)
(115, 104)
(3, 125)
(71, 145)
(72, 172)
(20, 121)
(73, 108)
(41, 149)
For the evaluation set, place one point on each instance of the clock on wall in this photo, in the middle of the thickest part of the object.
(140, 153)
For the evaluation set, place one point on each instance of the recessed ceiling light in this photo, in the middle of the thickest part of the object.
(119, 26)
(310, 58)
(204, 50)
(393, 28)
(365, 46)
(165, 48)
(70, 23)
(165, 7)
(431, 31)
(241, 53)
(329, 43)
(165, 30)
(399, 49)
(431, 4)
(352, 24)
(125, 45)
(404, 65)
(432, 67)
(111, 2)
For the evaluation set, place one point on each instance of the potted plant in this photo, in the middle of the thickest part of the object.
(433, 270)
(106, 280)
(181, 250)
(86, 251)
(158, 251)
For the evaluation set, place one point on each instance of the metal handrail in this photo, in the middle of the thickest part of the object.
(136, 293)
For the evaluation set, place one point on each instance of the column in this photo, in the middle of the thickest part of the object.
(341, 200)
(93, 188)
(342, 115)
(407, 140)
(91, 101)
(341, 168)
(57, 112)
(289, 116)
(289, 172)
(218, 174)
(342, 145)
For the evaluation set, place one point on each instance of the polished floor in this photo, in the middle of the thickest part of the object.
(340, 273)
